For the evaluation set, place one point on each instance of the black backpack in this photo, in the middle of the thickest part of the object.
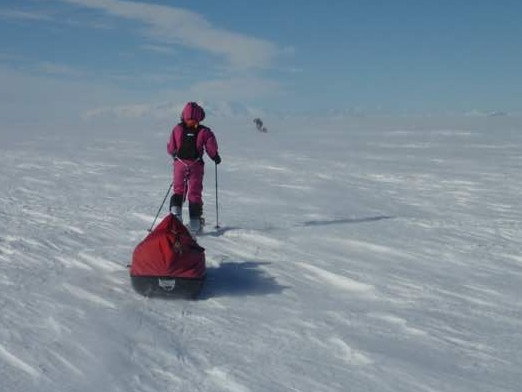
(188, 148)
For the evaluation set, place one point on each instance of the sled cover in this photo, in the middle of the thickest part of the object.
(169, 251)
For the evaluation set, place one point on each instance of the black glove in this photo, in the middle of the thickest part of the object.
(217, 159)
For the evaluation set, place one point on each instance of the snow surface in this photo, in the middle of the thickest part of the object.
(357, 255)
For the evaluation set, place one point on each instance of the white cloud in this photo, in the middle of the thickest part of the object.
(10, 56)
(41, 93)
(28, 96)
(178, 26)
(135, 111)
(235, 89)
(220, 97)
(162, 49)
(59, 69)
(486, 113)
(169, 110)
(23, 15)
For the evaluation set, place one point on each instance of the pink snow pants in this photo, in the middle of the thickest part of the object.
(188, 179)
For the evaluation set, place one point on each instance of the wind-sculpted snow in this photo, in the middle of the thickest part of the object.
(351, 257)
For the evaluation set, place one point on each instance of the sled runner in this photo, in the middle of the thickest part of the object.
(168, 262)
(167, 287)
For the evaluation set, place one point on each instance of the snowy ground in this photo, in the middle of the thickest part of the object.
(356, 256)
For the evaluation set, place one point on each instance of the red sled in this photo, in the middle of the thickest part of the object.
(168, 262)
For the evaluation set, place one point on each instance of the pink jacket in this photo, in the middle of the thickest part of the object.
(206, 141)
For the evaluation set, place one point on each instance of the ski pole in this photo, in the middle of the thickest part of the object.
(217, 204)
(159, 210)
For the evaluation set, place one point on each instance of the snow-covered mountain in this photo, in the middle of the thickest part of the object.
(357, 255)
(170, 110)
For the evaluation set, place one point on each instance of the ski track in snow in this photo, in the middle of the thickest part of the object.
(393, 264)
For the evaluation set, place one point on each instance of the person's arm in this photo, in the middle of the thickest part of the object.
(171, 146)
(211, 147)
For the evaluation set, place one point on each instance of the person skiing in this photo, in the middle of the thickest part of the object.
(188, 142)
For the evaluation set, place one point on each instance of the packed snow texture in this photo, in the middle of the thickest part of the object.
(354, 255)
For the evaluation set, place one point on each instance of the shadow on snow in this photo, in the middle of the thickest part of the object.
(218, 232)
(239, 279)
(345, 221)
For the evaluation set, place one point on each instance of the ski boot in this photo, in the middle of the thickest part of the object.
(176, 203)
(177, 212)
(196, 225)
(196, 220)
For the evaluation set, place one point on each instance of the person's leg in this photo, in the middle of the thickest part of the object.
(176, 201)
(194, 196)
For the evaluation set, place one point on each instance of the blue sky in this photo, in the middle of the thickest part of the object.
(90, 58)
